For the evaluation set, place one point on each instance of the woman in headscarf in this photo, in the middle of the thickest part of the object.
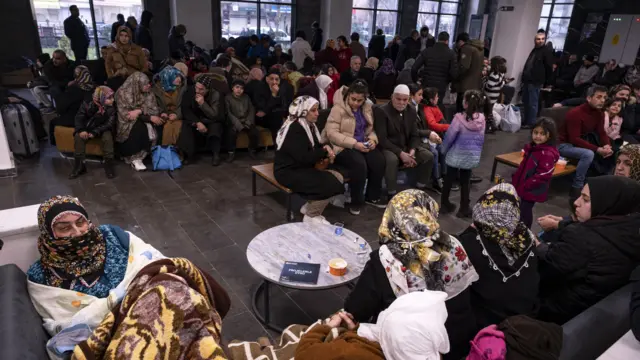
(328, 55)
(169, 86)
(272, 101)
(500, 247)
(238, 69)
(416, 255)
(68, 103)
(137, 113)
(594, 256)
(319, 89)
(628, 162)
(301, 160)
(368, 71)
(333, 73)
(384, 80)
(124, 57)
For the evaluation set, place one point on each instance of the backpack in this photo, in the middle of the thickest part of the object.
(165, 158)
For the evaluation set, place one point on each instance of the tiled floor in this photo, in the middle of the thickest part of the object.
(208, 215)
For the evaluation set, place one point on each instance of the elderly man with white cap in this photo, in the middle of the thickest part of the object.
(399, 140)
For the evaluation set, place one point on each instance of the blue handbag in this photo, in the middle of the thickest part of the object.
(165, 158)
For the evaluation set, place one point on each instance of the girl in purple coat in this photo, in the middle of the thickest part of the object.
(534, 174)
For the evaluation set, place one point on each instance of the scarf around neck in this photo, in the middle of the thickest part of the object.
(100, 95)
(297, 113)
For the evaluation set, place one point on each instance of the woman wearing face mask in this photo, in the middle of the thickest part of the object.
(594, 256)
(350, 130)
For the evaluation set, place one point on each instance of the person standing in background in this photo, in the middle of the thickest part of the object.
(143, 32)
(470, 66)
(115, 26)
(357, 48)
(536, 73)
(377, 44)
(132, 24)
(440, 66)
(344, 54)
(177, 42)
(77, 33)
(316, 40)
(300, 49)
(426, 40)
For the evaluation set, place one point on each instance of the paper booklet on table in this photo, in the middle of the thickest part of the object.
(300, 272)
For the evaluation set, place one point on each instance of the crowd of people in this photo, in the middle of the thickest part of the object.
(495, 278)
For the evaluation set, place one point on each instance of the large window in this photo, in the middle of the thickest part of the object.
(245, 18)
(554, 19)
(439, 16)
(50, 16)
(369, 15)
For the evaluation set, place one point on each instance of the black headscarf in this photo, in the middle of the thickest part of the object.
(613, 195)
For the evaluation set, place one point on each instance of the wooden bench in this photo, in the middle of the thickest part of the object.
(515, 158)
(265, 171)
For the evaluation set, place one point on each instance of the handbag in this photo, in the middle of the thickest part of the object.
(165, 158)
(511, 119)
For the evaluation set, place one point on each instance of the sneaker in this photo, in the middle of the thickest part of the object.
(303, 209)
(137, 165)
(464, 213)
(475, 179)
(380, 203)
(447, 208)
(354, 210)
(315, 220)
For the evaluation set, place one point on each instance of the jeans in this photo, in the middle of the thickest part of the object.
(465, 186)
(584, 156)
(530, 100)
(80, 146)
(437, 164)
(362, 166)
(424, 158)
(526, 212)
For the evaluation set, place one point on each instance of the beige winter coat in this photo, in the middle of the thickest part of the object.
(341, 124)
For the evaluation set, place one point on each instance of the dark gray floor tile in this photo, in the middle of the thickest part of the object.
(231, 262)
(242, 327)
(206, 234)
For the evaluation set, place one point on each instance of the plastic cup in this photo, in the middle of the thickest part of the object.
(561, 164)
(339, 228)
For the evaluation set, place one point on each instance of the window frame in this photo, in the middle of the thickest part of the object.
(375, 10)
(548, 19)
(259, 4)
(438, 14)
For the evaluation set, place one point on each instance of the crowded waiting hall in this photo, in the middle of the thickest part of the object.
(318, 180)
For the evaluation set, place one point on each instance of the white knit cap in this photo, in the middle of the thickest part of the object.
(402, 90)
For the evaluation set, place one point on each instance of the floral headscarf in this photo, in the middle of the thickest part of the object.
(167, 76)
(82, 78)
(633, 152)
(100, 95)
(387, 68)
(130, 96)
(297, 112)
(69, 259)
(496, 216)
(415, 253)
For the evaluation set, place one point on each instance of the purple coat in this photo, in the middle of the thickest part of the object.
(534, 174)
(463, 141)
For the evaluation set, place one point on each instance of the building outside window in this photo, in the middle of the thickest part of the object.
(554, 19)
(246, 18)
(439, 16)
(50, 16)
(369, 15)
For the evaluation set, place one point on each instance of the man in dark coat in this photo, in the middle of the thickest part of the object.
(440, 66)
(426, 40)
(176, 39)
(470, 65)
(349, 76)
(412, 46)
(115, 26)
(377, 44)
(537, 73)
(143, 32)
(59, 72)
(316, 39)
(77, 33)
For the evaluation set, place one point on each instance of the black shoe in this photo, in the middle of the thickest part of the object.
(108, 169)
(78, 169)
(216, 159)
(526, 127)
(447, 208)
(436, 186)
(231, 157)
(475, 179)
(455, 187)
(380, 203)
(464, 213)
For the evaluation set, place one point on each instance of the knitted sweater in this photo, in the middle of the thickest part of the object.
(463, 142)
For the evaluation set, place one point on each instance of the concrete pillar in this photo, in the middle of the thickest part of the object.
(335, 18)
(197, 16)
(409, 18)
(514, 33)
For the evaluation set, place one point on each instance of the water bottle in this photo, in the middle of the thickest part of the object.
(362, 254)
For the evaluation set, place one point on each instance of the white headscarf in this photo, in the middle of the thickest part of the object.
(412, 328)
(297, 112)
(323, 81)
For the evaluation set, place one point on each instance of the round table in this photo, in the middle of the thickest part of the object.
(302, 242)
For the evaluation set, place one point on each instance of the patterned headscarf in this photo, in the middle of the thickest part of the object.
(130, 96)
(69, 259)
(633, 152)
(205, 79)
(387, 68)
(100, 95)
(496, 215)
(298, 112)
(82, 78)
(166, 77)
(430, 258)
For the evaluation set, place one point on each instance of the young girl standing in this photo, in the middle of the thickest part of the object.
(462, 148)
(534, 174)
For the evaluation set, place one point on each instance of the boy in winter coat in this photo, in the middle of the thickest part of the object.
(95, 119)
(534, 174)
(241, 118)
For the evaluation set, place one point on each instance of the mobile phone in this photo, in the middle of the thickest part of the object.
(367, 144)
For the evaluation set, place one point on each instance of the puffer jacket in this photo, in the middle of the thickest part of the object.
(534, 174)
(463, 142)
(470, 65)
(435, 119)
(90, 120)
(440, 66)
(341, 124)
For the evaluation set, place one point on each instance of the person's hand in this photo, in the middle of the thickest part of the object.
(330, 153)
(173, 117)
(274, 89)
(361, 147)
(372, 145)
(549, 222)
(407, 160)
(604, 151)
(348, 320)
(13, 99)
(201, 128)
(71, 82)
(29, 84)
(199, 99)
(164, 116)
(260, 114)
(157, 120)
(434, 138)
(557, 105)
(508, 80)
(132, 115)
(537, 241)
(412, 153)
(335, 320)
(84, 135)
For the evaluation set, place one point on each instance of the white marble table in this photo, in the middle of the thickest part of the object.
(302, 242)
(626, 348)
